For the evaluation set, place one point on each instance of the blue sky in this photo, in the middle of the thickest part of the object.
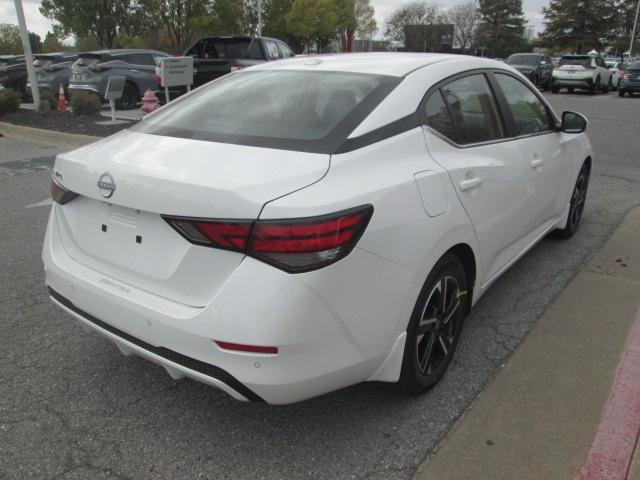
(37, 23)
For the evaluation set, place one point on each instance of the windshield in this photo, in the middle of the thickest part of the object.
(582, 60)
(287, 109)
(529, 60)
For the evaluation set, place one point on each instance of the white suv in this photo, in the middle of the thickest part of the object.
(581, 71)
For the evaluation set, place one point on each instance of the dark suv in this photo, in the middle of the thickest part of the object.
(53, 69)
(91, 72)
(535, 66)
(13, 73)
(214, 57)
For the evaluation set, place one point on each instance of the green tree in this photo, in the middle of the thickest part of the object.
(464, 17)
(9, 39)
(52, 43)
(416, 12)
(274, 23)
(578, 25)
(501, 29)
(226, 15)
(315, 21)
(180, 19)
(102, 19)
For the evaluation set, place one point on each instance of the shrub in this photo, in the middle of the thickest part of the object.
(47, 96)
(9, 101)
(83, 103)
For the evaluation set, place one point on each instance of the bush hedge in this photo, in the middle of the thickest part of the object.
(83, 103)
(9, 101)
(47, 96)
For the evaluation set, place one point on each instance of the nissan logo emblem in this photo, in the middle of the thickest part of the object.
(106, 185)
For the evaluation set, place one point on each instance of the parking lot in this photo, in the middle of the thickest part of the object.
(71, 406)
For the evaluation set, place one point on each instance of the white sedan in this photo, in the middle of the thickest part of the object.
(308, 224)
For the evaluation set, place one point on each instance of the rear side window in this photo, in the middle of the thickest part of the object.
(529, 113)
(438, 116)
(473, 110)
(294, 110)
(255, 52)
(272, 48)
(138, 59)
(285, 51)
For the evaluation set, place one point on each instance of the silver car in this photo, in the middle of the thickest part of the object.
(91, 72)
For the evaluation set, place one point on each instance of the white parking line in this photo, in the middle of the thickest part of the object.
(43, 203)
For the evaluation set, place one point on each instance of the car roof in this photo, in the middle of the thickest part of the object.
(117, 51)
(380, 63)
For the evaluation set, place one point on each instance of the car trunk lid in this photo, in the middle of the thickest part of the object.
(121, 232)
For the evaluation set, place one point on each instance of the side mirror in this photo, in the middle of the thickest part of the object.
(573, 122)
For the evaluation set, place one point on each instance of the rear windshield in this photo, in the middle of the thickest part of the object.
(584, 61)
(286, 109)
(530, 60)
(223, 48)
(86, 61)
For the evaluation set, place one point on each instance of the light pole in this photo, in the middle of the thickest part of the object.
(28, 57)
(633, 33)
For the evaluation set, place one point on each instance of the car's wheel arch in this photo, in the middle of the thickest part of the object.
(467, 253)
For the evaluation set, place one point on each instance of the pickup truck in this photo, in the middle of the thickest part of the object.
(214, 57)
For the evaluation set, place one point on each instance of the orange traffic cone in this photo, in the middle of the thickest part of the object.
(62, 102)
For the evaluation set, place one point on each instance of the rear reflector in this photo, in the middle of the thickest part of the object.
(293, 245)
(238, 347)
(60, 194)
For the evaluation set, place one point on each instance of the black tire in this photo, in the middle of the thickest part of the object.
(594, 86)
(576, 206)
(129, 99)
(435, 326)
(554, 89)
(621, 93)
(607, 89)
(570, 90)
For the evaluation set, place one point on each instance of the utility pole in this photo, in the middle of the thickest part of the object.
(28, 57)
(633, 33)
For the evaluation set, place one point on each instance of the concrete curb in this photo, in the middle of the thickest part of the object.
(538, 416)
(46, 137)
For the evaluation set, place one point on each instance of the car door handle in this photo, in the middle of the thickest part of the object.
(469, 183)
(537, 162)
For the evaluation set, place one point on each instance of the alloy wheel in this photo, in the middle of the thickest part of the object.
(437, 329)
(577, 201)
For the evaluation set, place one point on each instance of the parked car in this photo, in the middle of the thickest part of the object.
(217, 56)
(616, 68)
(308, 224)
(13, 73)
(630, 80)
(537, 67)
(92, 70)
(53, 69)
(587, 72)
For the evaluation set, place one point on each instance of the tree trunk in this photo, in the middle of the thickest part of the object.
(349, 45)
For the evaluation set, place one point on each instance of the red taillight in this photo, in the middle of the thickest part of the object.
(158, 80)
(225, 235)
(622, 75)
(296, 245)
(60, 194)
(238, 347)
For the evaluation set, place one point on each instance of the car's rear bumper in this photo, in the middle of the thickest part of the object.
(573, 82)
(628, 86)
(322, 345)
(83, 87)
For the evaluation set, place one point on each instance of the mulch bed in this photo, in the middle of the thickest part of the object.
(63, 122)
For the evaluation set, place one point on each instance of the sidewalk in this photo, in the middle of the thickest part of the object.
(551, 413)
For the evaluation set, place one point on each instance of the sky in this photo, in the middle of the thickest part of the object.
(40, 25)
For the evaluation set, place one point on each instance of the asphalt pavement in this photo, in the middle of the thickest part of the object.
(71, 406)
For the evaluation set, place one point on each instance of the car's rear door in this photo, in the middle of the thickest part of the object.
(542, 145)
(494, 181)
